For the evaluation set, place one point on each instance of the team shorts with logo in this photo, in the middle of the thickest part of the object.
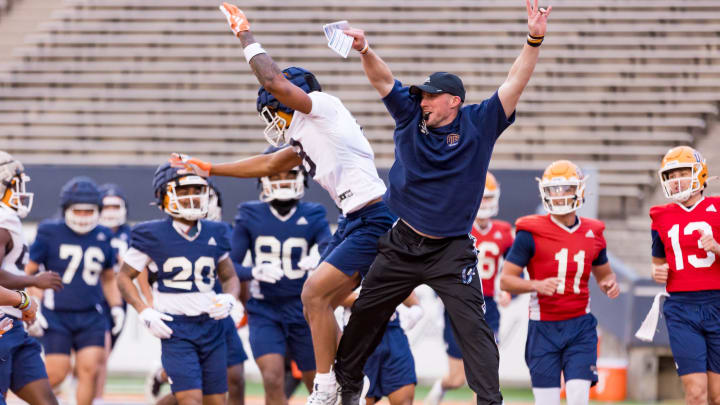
(391, 366)
(194, 357)
(568, 346)
(73, 330)
(20, 361)
(354, 244)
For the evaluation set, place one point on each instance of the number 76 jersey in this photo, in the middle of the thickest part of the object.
(565, 253)
(679, 229)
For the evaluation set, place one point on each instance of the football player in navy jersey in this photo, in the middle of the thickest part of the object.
(187, 312)
(79, 249)
(114, 217)
(279, 230)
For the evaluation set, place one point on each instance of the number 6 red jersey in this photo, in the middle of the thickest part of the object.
(680, 228)
(491, 243)
(565, 253)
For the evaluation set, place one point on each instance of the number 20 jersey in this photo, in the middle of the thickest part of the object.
(186, 266)
(282, 242)
(79, 259)
(679, 229)
(567, 254)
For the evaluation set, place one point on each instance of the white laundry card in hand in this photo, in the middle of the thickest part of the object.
(341, 43)
(334, 26)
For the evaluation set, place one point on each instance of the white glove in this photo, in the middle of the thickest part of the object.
(37, 329)
(118, 316)
(221, 307)
(267, 273)
(153, 320)
(309, 262)
(5, 325)
(412, 316)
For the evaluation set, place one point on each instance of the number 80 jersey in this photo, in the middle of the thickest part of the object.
(281, 241)
(679, 229)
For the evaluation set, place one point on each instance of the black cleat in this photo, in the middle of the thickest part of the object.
(355, 395)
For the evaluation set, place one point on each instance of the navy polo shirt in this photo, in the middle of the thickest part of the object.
(438, 178)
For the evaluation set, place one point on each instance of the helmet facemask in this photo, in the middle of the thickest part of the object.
(561, 195)
(114, 212)
(285, 189)
(489, 205)
(85, 222)
(16, 196)
(187, 197)
(276, 123)
(680, 189)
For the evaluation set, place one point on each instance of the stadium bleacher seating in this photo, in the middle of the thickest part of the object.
(618, 83)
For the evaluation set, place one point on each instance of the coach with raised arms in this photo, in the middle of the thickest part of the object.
(442, 152)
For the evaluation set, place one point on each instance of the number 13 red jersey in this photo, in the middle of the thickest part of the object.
(679, 229)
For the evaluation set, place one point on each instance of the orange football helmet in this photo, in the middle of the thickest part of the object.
(562, 187)
(681, 188)
(492, 192)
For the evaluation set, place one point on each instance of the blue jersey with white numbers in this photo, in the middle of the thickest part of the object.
(282, 241)
(183, 265)
(79, 259)
(121, 240)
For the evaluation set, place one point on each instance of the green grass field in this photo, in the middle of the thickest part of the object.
(134, 385)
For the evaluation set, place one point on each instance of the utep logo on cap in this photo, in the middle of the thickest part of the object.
(453, 139)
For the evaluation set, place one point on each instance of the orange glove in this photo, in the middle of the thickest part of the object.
(190, 165)
(236, 18)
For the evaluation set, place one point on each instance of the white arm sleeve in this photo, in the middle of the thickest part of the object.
(137, 259)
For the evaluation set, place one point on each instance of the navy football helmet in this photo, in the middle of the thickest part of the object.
(114, 212)
(276, 115)
(81, 194)
(166, 184)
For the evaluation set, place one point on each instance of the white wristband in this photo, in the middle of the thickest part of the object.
(253, 49)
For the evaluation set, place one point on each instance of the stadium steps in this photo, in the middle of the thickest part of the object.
(618, 82)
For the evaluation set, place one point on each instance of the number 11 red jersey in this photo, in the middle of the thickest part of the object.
(679, 229)
(565, 253)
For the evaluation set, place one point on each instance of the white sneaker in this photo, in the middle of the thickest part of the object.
(318, 397)
(435, 395)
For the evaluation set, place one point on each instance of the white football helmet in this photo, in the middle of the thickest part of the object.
(289, 189)
(192, 206)
(13, 182)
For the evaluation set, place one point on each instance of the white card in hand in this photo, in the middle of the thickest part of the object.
(341, 43)
(334, 26)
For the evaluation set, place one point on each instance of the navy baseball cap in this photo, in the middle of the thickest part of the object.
(441, 82)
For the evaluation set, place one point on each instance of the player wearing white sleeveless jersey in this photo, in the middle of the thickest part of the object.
(21, 369)
(329, 143)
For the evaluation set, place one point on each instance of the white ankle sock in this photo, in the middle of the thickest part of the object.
(325, 381)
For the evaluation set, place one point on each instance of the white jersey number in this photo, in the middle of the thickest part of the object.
(280, 254)
(697, 262)
(92, 259)
(181, 280)
(562, 258)
(487, 258)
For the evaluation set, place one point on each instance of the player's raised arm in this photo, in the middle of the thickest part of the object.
(375, 68)
(256, 166)
(265, 69)
(524, 65)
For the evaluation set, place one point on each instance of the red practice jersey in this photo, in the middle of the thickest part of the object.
(565, 253)
(492, 243)
(679, 229)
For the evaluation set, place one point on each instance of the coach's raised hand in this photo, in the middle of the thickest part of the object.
(537, 18)
(236, 18)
